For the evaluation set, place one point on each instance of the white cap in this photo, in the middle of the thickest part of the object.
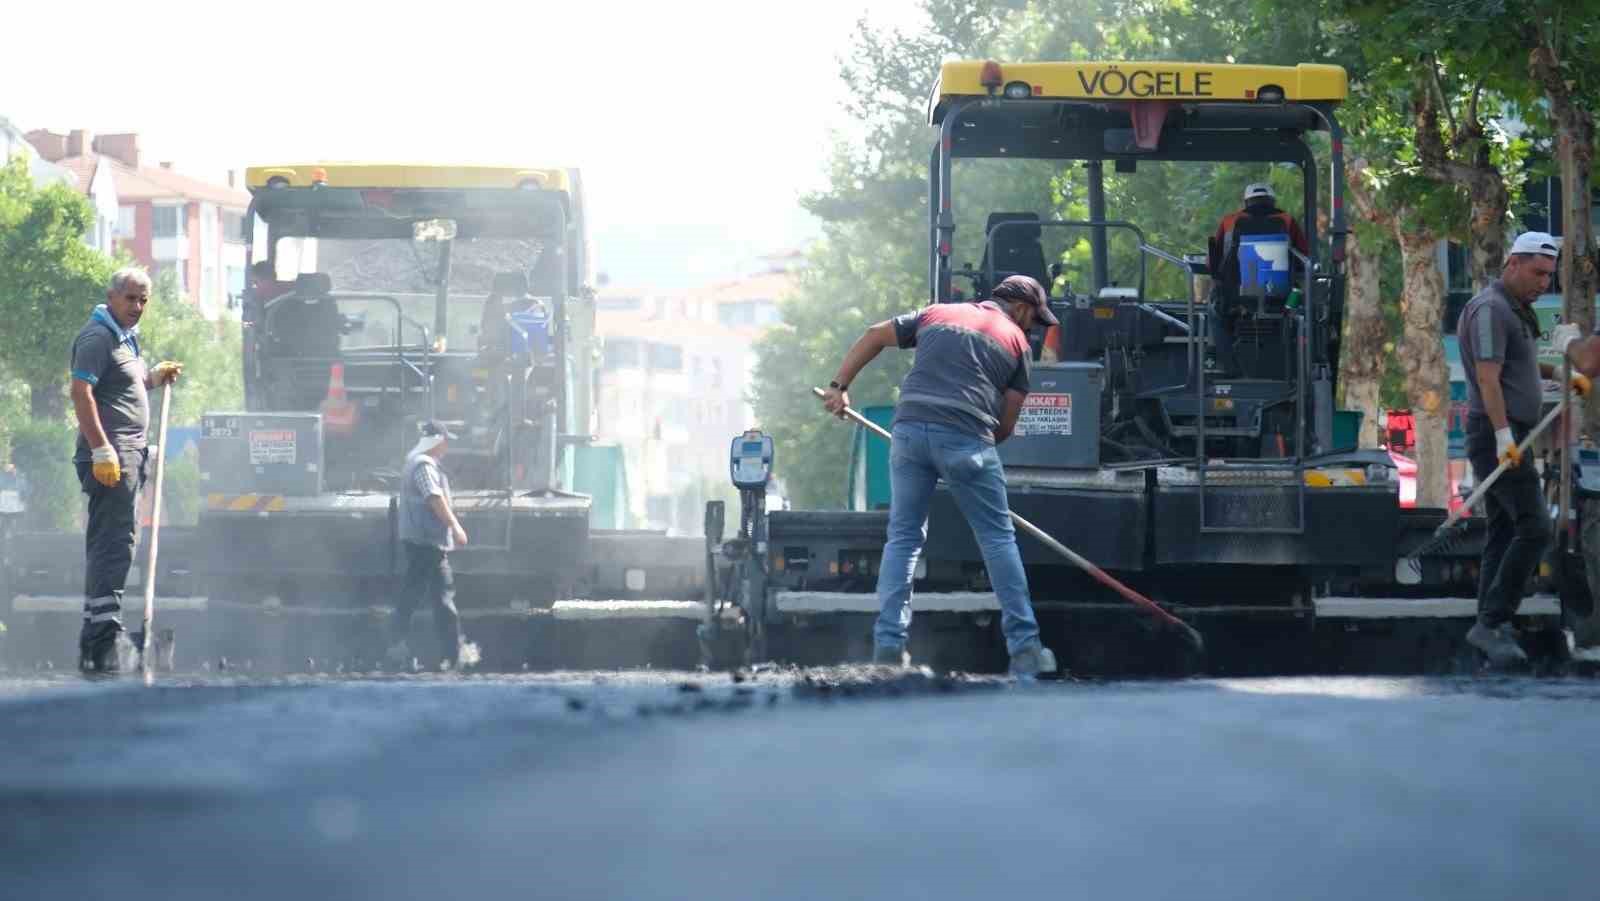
(1259, 189)
(1537, 242)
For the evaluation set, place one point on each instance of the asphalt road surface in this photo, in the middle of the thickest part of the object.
(803, 785)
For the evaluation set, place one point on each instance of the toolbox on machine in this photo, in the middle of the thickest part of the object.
(262, 453)
(1059, 426)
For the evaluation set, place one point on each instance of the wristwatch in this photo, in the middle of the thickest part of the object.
(837, 387)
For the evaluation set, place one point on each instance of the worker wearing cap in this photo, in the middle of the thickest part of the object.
(429, 531)
(109, 390)
(1259, 216)
(1498, 333)
(962, 396)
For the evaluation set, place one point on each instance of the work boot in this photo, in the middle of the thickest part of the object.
(1498, 643)
(891, 655)
(98, 649)
(1032, 662)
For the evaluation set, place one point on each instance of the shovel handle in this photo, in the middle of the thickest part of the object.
(1522, 448)
(155, 528)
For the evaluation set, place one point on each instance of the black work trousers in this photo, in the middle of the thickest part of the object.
(108, 551)
(428, 578)
(1518, 524)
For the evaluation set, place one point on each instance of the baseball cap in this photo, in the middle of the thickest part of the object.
(1027, 289)
(1537, 242)
(1259, 189)
(435, 428)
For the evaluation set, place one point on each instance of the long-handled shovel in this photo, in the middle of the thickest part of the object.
(144, 640)
(1571, 587)
(1451, 529)
(1099, 574)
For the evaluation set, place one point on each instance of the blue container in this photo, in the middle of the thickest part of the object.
(1264, 265)
(530, 333)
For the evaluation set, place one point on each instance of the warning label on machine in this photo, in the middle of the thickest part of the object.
(271, 446)
(1045, 414)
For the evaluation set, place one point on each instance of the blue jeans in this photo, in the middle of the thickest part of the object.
(923, 453)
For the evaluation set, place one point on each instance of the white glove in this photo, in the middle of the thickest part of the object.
(105, 465)
(1505, 446)
(1562, 336)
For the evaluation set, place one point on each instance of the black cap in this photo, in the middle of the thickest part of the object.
(1026, 289)
(435, 427)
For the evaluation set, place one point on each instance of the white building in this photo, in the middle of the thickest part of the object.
(14, 143)
(671, 394)
(674, 386)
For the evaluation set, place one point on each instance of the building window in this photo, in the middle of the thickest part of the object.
(621, 355)
(127, 221)
(167, 222)
(232, 227)
(622, 304)
(666, 357)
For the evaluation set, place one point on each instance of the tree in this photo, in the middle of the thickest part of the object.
(1366, 349)
(49, 280)
(1462, 80)
(1562, 43)
(173, 329)
(872, 261)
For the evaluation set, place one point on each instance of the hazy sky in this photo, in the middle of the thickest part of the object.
(701, 113)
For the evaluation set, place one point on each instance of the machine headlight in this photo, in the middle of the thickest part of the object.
(1378, 474)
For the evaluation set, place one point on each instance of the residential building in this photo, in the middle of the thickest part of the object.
(166, 221)
(670, 396)
(14, 143)
(674, 386)
(750, 307)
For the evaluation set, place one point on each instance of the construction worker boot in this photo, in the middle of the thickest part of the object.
(884, 655)
(1498, 643)
(1033, 662)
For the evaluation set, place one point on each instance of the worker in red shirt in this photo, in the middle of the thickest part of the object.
(1259, 216)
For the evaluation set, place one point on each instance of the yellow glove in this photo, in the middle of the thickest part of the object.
(1580, 384)
(166, 371)
(107, 471)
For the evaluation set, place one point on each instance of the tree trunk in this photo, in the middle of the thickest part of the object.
(1574, 128)
(1573, 125)
(47, 400)
(1362, 357)
(1487, 239)
(1422, 358)
(1466, 163)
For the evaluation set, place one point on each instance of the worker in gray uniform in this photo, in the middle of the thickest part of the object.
(1498, 333)
(429, 531)
(110, 398)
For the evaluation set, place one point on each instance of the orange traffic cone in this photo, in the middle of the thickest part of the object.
(338, 413)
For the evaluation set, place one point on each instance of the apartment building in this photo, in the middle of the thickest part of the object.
(167, 221)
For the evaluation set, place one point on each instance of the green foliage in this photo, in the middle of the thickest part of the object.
(49, 280)
(42, 453)
(873, 261)
(213, 378)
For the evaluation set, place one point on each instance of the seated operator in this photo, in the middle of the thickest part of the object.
(1259, 216)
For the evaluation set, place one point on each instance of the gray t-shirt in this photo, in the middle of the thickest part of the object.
(423, 478)
(1490, 330)
(106, 356)
(968, 356)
